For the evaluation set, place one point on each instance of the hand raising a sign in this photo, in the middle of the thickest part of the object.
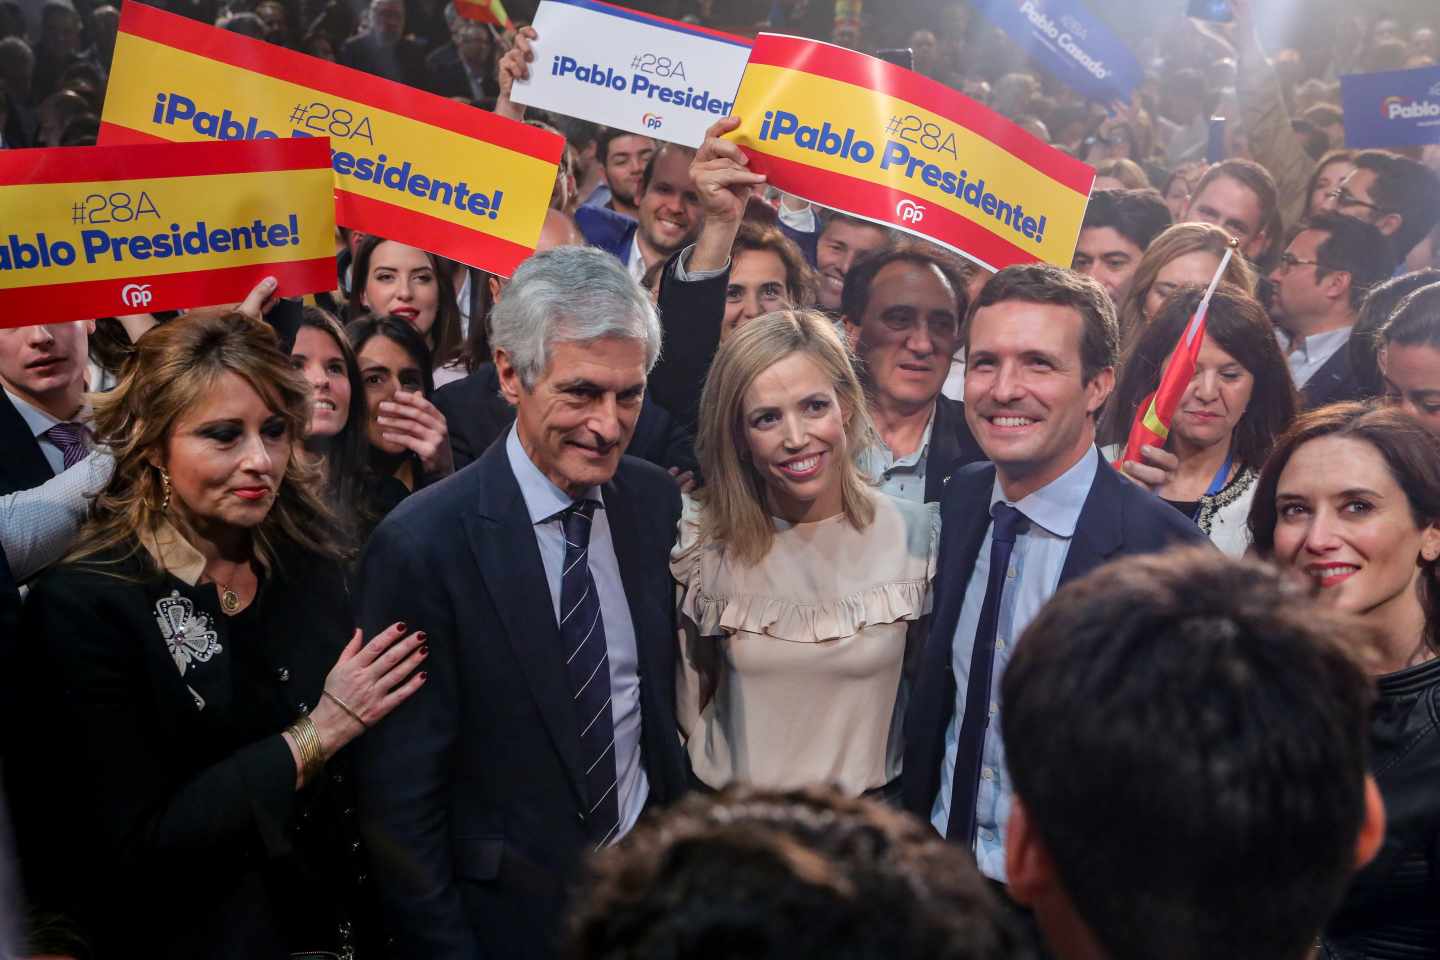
(725, 187)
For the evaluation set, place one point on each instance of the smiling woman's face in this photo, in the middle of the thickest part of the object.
(401, 282)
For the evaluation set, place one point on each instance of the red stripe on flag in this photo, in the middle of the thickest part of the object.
(87, 299)
(114, 135)
(866, 199)
(258, 56)
(837, 63)
(431, 233)
(150, 162)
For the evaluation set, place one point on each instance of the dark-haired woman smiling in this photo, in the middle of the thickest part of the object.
(1351, 499)
(336, 432)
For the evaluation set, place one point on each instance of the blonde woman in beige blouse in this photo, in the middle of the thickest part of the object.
(800, 584)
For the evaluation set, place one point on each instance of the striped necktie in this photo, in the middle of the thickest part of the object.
(72, 439)
(587, 659)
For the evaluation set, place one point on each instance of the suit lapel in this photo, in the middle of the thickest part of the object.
(1099, 532)
(503, 542)
(24, 466)
(965, 520)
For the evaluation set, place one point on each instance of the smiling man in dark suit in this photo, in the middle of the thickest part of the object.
(540, 576)
(1041, 350)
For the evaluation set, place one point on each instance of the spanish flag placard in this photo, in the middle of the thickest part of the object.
(875, 140)
(116, 230)
(408, 165)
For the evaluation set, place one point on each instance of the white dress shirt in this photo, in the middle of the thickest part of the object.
(1306, 355)
(544, 502)
(1034, 575)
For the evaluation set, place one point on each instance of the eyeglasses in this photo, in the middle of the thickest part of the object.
(1344, 198)
(1288, 260)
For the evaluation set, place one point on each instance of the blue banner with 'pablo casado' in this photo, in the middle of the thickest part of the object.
(1397, 108)
(1067, 39)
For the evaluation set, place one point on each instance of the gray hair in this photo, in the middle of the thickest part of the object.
(570, 295)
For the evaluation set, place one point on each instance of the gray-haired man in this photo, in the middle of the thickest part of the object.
(539, 575)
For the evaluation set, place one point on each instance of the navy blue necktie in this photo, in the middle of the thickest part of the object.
(1008, 523)
(582, 635)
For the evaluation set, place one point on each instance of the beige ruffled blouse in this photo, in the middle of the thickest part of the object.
(792, 670)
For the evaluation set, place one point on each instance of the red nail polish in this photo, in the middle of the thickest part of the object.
(421, 636)
(425, 650)
(424, 675)
(400, 627)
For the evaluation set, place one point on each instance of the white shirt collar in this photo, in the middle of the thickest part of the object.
(38, 420)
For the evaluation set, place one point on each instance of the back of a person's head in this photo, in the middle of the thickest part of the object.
(1415, 320)
(1187, 736)
(1406, 187)
(1137, 215)
(804, 875)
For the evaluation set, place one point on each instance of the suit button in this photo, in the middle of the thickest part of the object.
(581, 817)
(336, 778)
(282, 675)
(303, 707)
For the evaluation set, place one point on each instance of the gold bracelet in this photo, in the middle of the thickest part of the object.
(346, 707)
(307, 741)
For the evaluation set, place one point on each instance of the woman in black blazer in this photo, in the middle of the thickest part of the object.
(180, 786)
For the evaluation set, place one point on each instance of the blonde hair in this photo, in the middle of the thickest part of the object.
(1177, 241)
(735, 495)
(171, 368)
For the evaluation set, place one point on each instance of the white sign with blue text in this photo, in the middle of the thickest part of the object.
(632, 71)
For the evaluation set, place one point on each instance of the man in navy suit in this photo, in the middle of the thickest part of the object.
(668, 209)
(1322, 279)
(1041, 350)
(540, 576)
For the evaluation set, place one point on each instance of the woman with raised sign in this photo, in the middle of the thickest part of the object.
(181, 774)
(800, 582)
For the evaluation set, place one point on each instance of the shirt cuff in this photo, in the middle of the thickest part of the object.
(686, 276)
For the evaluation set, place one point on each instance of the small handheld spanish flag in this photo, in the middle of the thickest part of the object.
(1153, 417)
(484, 11)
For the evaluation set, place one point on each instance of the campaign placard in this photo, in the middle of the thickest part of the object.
(1397, 108)
(408, 165)
(875, 140)
(632, 71)
(117, 230)
(1067, 40)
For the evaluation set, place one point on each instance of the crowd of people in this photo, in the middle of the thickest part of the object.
(740, 578)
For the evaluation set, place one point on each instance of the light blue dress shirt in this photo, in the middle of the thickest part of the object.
(1034, 575)
(900, 477)
(544, 501)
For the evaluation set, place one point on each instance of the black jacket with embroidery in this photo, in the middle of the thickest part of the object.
(154, 798)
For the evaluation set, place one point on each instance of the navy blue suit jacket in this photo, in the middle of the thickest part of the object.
(1118, 519)
(610, 231)
(1335, 382)
(472, 793)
